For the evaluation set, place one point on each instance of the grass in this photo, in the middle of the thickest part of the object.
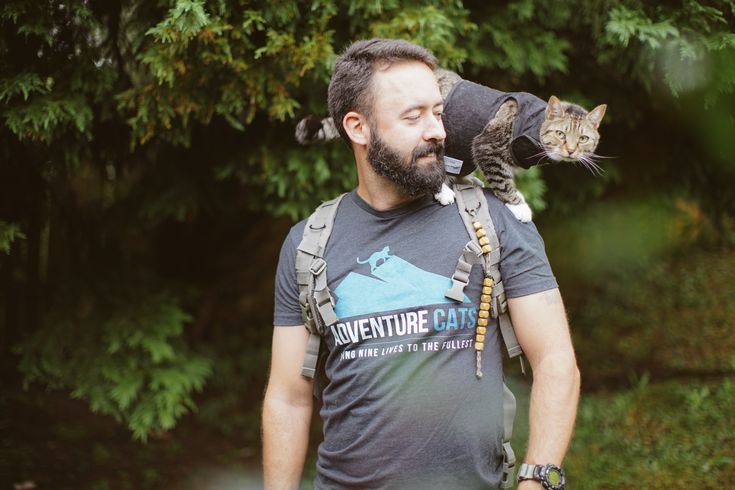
(661, 436)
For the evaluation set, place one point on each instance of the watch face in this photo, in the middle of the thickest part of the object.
(552, 477)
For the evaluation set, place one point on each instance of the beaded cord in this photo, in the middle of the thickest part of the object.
(485, 299)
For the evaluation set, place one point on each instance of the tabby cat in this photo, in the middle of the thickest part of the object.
(480, 125)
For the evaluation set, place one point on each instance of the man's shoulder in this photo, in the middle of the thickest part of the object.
(296, 232)
(499, 212)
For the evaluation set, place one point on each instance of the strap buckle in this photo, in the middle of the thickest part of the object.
(317, 266)
(509, 462)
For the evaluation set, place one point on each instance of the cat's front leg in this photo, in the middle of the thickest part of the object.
(520, 210)
(445, 195)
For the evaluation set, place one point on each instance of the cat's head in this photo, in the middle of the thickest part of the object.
(569, 133)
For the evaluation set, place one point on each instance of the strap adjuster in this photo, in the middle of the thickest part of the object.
(317, 266)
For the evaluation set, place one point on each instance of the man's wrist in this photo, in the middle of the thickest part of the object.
(549, 476)
(530, 485)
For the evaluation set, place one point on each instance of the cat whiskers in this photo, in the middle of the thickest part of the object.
(541, 155)
(595, 155)
(588, 163)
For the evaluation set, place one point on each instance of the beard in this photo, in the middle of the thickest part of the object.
(413, 179)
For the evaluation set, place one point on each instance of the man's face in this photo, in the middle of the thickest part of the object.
(420, 172)
(406, 133)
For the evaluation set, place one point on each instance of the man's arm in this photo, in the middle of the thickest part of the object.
(286, 411)
(541, 327)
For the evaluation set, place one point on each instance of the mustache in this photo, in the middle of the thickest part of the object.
(429, 148)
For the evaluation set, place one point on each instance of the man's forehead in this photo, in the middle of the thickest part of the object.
(406, 84)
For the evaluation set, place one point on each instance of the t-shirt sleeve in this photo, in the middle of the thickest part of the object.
(523, 263)
(287, 311)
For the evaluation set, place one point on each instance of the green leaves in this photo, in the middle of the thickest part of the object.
(23, 84)
(124, 354)
(182, 111)
(648, 436)
(9, 232)
(182, 23)
(436, 27)
(44, 118)
(679, 44)
(626, 24)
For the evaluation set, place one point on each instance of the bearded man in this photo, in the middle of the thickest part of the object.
(401, 407)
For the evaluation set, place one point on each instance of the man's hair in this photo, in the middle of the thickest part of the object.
(351, 86)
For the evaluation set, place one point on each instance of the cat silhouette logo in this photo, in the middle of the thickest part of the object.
(374, 258)
(395, 284)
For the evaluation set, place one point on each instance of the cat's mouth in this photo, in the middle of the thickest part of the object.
(561, 156)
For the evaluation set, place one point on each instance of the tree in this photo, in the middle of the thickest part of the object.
(125, 120)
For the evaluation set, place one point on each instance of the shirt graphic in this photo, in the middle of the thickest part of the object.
(395, 284)
(398, 303)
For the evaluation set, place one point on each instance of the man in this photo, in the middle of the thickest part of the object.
(402, 407)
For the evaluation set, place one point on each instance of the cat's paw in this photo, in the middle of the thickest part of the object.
(445, 196)
(521, 211)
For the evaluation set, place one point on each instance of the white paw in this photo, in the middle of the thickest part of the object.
(521, 211)
(445, 195)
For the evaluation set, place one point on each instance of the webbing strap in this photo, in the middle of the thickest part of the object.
(317, 304)
(311, 356)
(472, 255)
(473, 207)
(509, 457)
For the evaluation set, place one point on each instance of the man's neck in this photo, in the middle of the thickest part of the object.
(380, 193)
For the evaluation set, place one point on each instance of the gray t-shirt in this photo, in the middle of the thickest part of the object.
(402, 407)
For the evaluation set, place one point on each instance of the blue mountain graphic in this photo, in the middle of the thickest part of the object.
(399, 285)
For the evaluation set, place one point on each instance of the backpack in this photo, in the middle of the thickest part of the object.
(317, 303)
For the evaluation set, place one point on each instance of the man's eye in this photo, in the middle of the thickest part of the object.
(439, 115)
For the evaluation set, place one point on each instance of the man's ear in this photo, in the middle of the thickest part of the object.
(356, 127)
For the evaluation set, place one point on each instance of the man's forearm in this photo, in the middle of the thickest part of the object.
(554, 398)
(285, 442)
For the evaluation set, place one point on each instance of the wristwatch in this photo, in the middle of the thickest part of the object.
(551, 476)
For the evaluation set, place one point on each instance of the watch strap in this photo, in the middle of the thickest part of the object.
(526, 471)
(541, 473)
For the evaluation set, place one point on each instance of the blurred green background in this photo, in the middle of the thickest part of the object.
(148, 175)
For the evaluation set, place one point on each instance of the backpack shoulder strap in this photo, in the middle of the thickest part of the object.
(484, 247)
(317, 304)
(473, 208)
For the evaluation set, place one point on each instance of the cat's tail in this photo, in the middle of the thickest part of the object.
(313, 129)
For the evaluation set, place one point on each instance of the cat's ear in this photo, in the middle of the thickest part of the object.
(554, 108)
(595, 115)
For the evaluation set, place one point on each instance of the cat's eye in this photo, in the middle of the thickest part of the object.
(583, 139)
(561, 134)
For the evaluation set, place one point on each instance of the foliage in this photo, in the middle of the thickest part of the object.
(677, 42)
(532, 187)
(123, 124)
(122, 354)
(648, 437)
(674, 316)
(9, 232)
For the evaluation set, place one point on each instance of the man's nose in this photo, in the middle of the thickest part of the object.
(435, 130)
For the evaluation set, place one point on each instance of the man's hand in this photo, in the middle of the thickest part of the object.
(286, 411)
